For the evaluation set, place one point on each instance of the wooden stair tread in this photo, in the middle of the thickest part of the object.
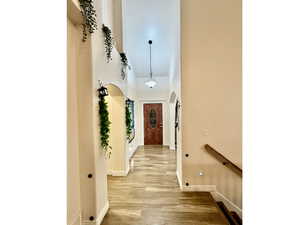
(222, 216)
(227, 214)
(150, 194)
(236, 217)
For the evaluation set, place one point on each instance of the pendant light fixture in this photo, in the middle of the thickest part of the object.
(151, 82)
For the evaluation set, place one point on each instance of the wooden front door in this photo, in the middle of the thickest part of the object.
(153, 124)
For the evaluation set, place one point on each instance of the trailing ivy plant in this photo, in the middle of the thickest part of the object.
(128, 122)
(104, 125)
(108, 42)
(124, 59)
(88, 13)
(124, 63)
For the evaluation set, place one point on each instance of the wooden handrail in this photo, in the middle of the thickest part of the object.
(226, 162)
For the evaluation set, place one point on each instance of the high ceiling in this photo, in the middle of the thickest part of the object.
(145, 20)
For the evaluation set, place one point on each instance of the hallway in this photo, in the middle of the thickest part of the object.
(150, 194)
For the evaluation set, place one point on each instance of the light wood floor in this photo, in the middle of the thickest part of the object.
(150, 195)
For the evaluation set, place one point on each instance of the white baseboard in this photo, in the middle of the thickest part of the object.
(230, 205)
(118, 173)
(127, 170)
(179, 179)
(99, 217)
(213, 190)
(216, 195)
(203, 188)
(102, 213)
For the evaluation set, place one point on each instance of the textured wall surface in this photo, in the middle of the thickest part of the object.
(211, 47)
(73, 181)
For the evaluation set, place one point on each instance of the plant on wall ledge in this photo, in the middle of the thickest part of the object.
(129, 119)
(108, 42)
(88, 13)
(128, 122)
(124, 63)
(104, 120)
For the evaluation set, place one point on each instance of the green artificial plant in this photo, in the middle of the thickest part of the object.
(104, 125)
(108, 42)
(128, 122)
(88, 13)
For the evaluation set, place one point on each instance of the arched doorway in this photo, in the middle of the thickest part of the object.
(172, 101)
(118, 164)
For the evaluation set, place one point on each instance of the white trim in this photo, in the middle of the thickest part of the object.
(206, 188)
(131, 153)
(173, 97)
(179, 179)
(76, 220)
(102, 213)
(119, 173)
(216, 195)
(124, 28)
(229, 204)
(142, 75)
(100, 217)
(128, 169)
(164, 114)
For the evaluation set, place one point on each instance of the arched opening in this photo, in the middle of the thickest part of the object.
(172, 101)
(117, 164)
(172, 97)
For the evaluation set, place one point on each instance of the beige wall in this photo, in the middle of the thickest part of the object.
(110, 73)
(212, 92)
(132, 94)
(107, 12)
(112, 17)
(73, 181)
(92, 194)
(86, 134)
(118, 162)
(175, 89)
(80, 131)
(117, 24)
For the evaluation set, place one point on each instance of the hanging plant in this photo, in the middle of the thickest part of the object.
(104, 121)
(88, 13)
(124, 59)
(128, 122)
(108, 42)
(177, 111)
(124, 63)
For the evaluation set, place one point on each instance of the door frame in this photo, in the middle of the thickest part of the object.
(164, 117)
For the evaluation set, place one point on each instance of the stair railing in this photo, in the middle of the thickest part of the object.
(226, 162)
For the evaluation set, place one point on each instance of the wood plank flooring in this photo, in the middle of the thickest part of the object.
(150, 195)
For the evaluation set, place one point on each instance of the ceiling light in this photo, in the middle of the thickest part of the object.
(151, 82)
